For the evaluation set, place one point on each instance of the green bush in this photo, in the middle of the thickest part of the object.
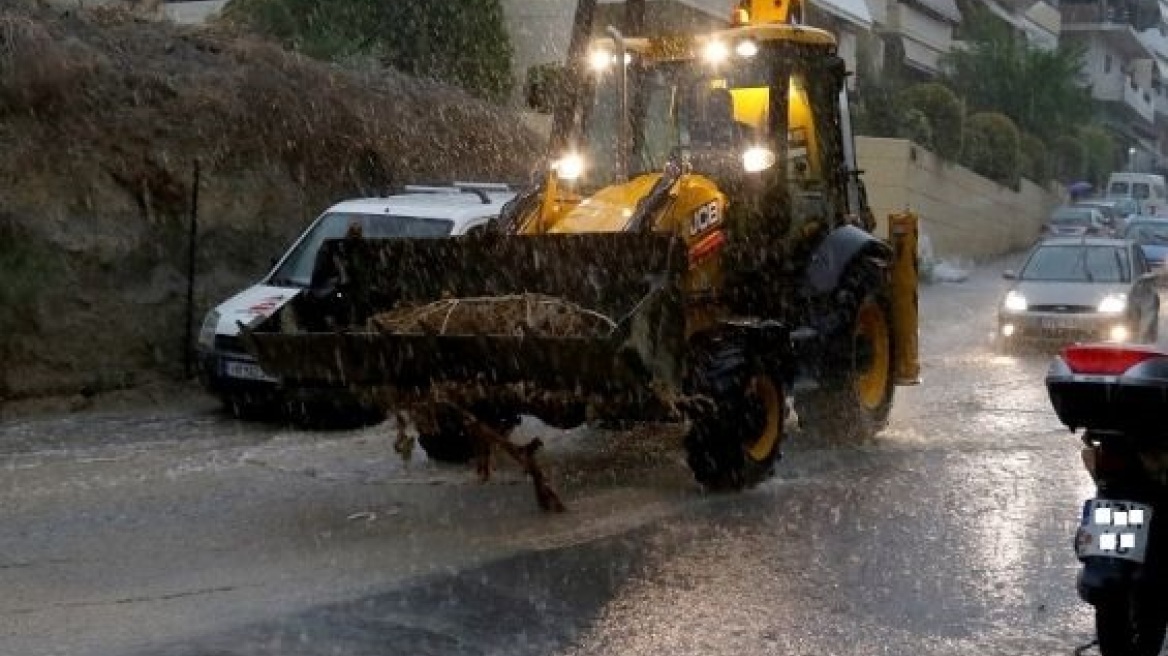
(463, 43)
(1035, 159)
(1068, 158)
(915, 126)
(992, 148)
(545, 83)
(1101, 154)
(942, 109)
(877, 113)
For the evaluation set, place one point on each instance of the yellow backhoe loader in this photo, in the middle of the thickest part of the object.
(700, 251)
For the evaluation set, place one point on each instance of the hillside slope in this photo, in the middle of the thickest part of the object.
(102, 118)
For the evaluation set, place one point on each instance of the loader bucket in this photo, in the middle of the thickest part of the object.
(625, 286)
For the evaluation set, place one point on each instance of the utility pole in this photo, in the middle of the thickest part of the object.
(569, 101)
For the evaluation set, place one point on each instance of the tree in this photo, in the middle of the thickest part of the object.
(1000, 72)
(463, 43)
(1101, 154)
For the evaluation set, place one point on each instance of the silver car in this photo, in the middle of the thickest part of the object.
(1081, 289)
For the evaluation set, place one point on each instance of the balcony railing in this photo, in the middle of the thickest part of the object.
(1140, 100)
(1105, 13)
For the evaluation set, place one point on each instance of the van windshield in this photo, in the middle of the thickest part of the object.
(296, 269)
(1119, 189)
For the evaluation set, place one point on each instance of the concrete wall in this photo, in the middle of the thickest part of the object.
(962, 213)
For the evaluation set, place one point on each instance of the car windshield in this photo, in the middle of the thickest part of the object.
(1148, 232)
(1071, 216)
(296, 270)
(1078, 263)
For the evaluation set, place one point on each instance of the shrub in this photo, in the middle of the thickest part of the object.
(1035, 159)
(1101, 154)
(942, 110)
(1068, 158)
(992, 147)
(463, 43)
(914, 126)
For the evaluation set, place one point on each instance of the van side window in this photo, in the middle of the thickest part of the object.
(1141, 190)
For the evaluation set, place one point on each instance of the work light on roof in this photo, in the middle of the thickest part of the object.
(715, 52)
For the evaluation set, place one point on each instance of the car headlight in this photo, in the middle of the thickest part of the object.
(1113, 303)
(1015, 302)
(210, 327)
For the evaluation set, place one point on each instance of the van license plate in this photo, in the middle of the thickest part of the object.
(246, 371)
(1114, 529)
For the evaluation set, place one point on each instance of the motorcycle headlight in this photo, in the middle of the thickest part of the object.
(1113, 303)
(1015, 302)
(210, 327)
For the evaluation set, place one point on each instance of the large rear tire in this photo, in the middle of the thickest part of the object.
(451, 443)
(856, 385)
(1127, 627)
(735, 439)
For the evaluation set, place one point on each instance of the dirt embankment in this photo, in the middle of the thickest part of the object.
(102, 118)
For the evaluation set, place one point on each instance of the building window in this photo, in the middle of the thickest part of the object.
(1106, 63)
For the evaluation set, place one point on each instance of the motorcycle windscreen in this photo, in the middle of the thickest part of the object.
(609, 306)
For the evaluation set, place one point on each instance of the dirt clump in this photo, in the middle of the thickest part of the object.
(103, 117)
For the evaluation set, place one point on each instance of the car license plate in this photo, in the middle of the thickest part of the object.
(246, 370)
(1115, 529)
(1058, 324)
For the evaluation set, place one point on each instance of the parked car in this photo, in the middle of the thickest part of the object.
(1148, 189)
(1116, 211)
(229, 372)
(1076, 222)
(1151, 234)
(1085, 288)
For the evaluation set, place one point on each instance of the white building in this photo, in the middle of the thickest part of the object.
(1121, 71)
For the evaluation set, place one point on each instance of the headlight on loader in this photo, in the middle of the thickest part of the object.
(757, 159)
(570, 167)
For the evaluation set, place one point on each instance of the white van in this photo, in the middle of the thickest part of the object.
(226, 369)
(1147, 188)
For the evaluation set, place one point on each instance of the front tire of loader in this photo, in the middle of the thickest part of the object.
(735, 439)
(452, 443)
(855, 391)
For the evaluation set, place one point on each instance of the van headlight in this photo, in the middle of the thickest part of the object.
(1015, 302)
(1113, 304)
(209, 329)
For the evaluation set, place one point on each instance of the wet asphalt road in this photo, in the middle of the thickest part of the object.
(179, 532)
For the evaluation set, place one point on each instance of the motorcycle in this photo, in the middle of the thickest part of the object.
(1118, 395)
